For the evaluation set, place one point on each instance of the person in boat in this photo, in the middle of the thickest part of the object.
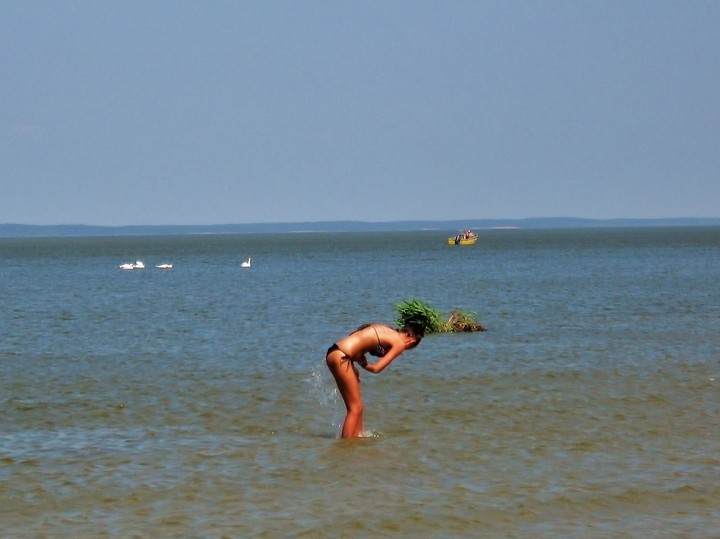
(379, 340)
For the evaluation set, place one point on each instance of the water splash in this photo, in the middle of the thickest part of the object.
(323, 389)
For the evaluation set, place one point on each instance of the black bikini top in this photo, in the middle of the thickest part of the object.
(379, 350)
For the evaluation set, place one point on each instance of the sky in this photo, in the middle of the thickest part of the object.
(142, 112)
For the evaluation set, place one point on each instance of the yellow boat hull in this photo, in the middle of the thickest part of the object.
(462, 241)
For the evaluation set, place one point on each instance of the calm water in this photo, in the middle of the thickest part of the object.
(195, 402)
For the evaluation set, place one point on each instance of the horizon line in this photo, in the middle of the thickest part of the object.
(362, 222)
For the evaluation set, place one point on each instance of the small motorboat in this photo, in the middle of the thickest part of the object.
(464, 238)
(164, 266)
(247, 263)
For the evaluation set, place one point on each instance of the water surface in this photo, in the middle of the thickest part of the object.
(195, 403)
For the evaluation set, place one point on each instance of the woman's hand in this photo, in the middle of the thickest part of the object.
(362, 361)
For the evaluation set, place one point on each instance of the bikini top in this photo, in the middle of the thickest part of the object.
(379, 351)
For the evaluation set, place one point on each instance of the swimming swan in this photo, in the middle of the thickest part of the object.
(131, 266)
(247, 263)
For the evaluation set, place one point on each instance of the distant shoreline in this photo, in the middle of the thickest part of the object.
(27, 231)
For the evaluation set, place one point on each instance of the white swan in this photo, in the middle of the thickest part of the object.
(164, 266)
(247, 263)
(138, 264)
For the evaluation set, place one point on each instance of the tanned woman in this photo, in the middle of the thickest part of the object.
(379, 340)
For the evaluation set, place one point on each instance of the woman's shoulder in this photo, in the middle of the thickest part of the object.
(374, 325)
(386, 331)
(359, 329)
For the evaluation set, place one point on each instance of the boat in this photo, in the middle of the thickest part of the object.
(468, 237)
(164, 266)
(247, 263)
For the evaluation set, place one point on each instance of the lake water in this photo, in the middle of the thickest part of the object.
(195, 403)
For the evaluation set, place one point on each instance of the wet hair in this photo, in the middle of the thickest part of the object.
(414, 330)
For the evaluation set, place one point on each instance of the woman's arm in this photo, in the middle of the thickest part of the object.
(384, 361)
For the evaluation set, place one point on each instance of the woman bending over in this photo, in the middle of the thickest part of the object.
(379, 340)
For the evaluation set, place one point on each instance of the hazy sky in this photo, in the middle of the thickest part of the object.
(208, 112)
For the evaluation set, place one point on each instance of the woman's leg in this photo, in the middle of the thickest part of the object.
(348, 382)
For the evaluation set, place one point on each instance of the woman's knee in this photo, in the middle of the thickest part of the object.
(356, 407)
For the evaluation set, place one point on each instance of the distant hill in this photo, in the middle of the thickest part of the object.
(17, 230)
